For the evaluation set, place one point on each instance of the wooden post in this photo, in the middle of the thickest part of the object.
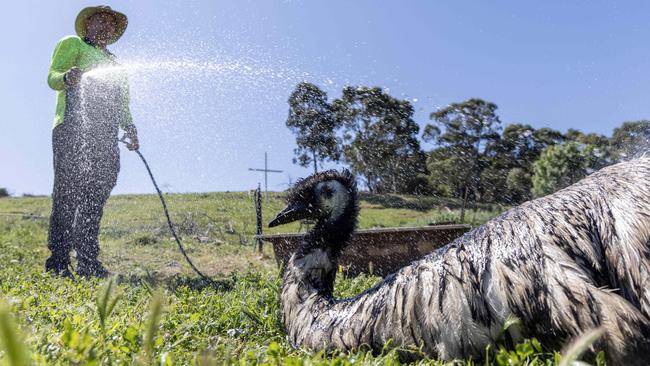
(258, 215)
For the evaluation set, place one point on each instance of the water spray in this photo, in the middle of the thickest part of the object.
(235, 71)
(169, 220)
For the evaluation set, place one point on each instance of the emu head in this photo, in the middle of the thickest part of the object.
(326, 197)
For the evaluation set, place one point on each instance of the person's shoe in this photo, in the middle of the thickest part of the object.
(62, 272)
(58, 268)
(93, 270)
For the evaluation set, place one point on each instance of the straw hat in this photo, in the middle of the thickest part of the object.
(86, 13)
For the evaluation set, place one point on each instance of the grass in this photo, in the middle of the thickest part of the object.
(157, 312)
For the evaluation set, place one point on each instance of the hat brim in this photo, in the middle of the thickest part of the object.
(86, 13)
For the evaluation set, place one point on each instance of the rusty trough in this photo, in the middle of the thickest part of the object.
(377, 251)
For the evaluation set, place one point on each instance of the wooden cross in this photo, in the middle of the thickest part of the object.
(266, 171)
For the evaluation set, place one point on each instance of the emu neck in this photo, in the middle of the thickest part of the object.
(318, 257)
(331, 236)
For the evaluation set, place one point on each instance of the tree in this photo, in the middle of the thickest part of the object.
(312, 121)
(493, 183)
(542, 139)
(448, 172)
(597, 148)
(4, 192)
(380, 140)
(519, 147)
(631, 139)
(559, 166)
(518, 183)
(516, 146)
(468, 131)
(521, 144)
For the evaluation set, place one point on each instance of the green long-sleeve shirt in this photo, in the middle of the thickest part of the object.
(72, 51)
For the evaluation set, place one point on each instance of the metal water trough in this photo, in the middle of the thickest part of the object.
(377, 251)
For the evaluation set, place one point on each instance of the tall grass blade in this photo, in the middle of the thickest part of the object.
(511, 321)
(576, 348)
(106, 304)
(153, 322)
(16, 352)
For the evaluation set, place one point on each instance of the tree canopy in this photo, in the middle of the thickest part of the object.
(631, 139)
(467, 133)
(380, 139)
(472, 156)
(312, 121)
(558, 167)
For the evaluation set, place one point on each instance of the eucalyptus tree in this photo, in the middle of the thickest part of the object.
(631, 139)
(468, 132)
(380, 139)
(312, 121)
(516, 152)
(597, 148)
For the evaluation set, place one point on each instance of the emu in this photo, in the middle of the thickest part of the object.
(562, 264)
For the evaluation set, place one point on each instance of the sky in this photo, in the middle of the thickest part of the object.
(210, 79)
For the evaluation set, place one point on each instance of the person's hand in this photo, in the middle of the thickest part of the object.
(73, 77)
(131, 138)
(134, 144)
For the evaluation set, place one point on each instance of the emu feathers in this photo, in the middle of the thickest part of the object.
(563, 264)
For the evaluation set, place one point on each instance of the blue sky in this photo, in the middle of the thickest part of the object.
(210, 79)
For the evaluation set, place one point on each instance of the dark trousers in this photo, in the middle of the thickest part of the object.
(86, 165)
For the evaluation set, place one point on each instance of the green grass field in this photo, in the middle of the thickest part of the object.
(162, 313)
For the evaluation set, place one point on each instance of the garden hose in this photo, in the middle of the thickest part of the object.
(169, 220)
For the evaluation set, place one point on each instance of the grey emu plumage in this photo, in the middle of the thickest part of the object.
(563, 264)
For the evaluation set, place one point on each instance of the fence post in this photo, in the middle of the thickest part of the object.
(258, 216)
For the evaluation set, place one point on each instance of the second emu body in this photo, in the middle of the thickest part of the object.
(563, 264)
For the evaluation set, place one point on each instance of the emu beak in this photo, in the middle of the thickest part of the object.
(291, 213)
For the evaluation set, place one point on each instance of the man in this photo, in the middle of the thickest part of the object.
(89, 111)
